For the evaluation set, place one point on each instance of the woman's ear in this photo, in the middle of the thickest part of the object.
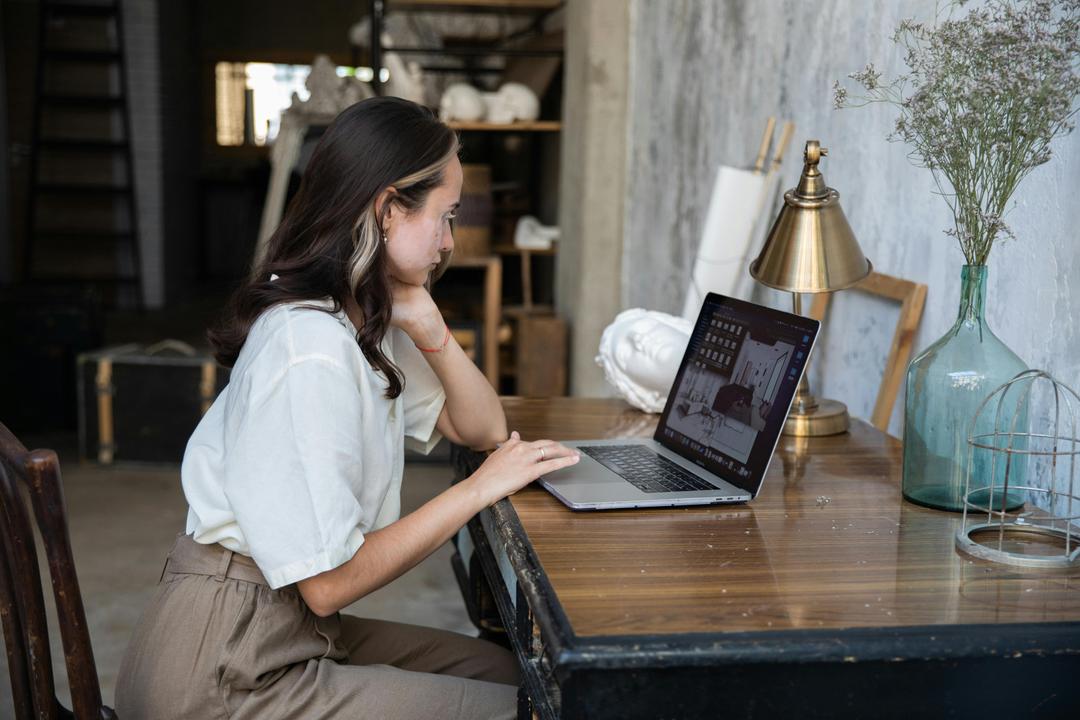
(384, 207)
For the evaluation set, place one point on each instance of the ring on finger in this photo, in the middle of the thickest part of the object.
(541, 455)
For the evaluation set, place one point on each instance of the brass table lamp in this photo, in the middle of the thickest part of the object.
(811, 249)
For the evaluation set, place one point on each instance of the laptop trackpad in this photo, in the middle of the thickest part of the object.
(587, 473)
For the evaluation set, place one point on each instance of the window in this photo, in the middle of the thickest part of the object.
(249, 97)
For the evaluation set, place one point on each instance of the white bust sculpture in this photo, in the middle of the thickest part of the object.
(461, 101)
(640, 353)
(512, 102)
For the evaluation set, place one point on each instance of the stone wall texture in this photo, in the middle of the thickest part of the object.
(704, 77)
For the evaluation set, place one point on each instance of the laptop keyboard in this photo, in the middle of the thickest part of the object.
(644, 469)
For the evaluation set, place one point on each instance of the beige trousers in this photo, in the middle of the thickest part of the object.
(217, 642)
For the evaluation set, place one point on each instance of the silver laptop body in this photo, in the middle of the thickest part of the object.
(592, 486)
(636, 472)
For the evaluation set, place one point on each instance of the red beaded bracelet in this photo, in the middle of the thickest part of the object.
(446, 339)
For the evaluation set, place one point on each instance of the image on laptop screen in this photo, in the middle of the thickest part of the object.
(733, 390)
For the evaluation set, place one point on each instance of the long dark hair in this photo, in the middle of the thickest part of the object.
(329, 243)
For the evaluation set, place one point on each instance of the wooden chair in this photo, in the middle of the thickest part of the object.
(912, 298)
(22, 605)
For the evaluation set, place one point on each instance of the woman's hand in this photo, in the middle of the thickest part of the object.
(416, 313)
(516, 464)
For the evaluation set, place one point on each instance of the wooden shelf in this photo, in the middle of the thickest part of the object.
(517, 311)
(473, 261)
(515, 250)
(534, 126)
(492, 5)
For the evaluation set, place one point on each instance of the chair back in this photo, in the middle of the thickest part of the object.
(912, 298)
(33, 478)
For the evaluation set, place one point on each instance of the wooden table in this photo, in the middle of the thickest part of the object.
(858, 605)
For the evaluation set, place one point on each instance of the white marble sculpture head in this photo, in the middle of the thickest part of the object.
(512, 102)
(640, 353)
(461, 101)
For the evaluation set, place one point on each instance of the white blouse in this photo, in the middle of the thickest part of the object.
(302, 453)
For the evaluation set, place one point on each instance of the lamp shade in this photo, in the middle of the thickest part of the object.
(811, 247)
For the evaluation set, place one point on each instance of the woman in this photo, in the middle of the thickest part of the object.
(339, 358)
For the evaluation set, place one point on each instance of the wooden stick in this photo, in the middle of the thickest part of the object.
(911, 309)
(766, 138)
(492, 306)
(106, 439)
(781, 147)
(526, 280)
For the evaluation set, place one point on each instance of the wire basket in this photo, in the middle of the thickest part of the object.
(1032, 448)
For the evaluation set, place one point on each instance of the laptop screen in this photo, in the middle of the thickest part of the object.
(731, 395)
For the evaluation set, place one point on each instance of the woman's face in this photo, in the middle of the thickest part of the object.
(415, 240)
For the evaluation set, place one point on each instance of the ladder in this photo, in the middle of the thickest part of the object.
(81, 214)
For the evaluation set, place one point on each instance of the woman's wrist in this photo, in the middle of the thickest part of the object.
(429, 333)
(437, 348)
(473, 486)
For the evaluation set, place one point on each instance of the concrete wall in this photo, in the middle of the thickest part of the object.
(591, 192)
(704, 77)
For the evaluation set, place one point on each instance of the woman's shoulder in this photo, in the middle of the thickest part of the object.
(315, 316)
(292, 332)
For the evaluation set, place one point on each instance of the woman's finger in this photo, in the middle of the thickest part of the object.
(547, 449)
(553, 464)
(544, 442)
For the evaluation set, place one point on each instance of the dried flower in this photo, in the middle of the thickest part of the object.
(984, 96)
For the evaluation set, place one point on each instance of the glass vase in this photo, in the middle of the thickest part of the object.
(945, 386)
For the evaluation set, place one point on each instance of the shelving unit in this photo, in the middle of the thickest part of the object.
(479, 5)
(538, 9)
(534, 126)
(522, 342)
(492, 267)
(525, 256)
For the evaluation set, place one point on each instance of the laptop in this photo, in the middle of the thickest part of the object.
(720, 425)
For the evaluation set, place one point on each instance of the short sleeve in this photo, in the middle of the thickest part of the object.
(291, 474)
(423, 397)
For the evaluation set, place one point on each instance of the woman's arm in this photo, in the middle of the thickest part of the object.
(396, 548)
(473, 415)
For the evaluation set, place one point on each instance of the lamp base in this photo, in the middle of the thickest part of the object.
(830, 417)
